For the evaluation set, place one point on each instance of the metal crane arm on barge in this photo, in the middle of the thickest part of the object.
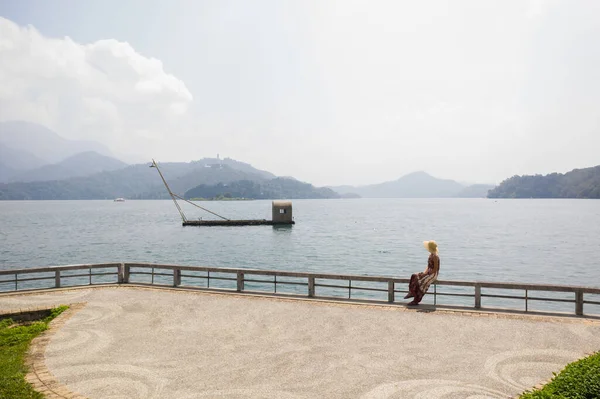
(282, 211)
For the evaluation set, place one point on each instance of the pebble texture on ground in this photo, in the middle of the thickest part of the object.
(146, 343)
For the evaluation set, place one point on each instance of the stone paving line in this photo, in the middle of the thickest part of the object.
(112, 341)
(40, 378)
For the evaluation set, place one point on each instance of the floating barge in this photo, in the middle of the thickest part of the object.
(282, 216)
(250, 222)
(282, 212)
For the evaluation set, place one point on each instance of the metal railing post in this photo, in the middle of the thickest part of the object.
(57, 279)
(477, 296)
(240, 281)
(121, 273)
(126, 272)
(579, 303)
(391, 293)
(311, 287)
(176, 277)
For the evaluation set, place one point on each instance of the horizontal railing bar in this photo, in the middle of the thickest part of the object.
(291, 283)
(516, 286)
(71, 275)
(278, 282)
(103, 274)
(592, 302)
(35, 278)
(61, 268)
(222, 278)
(162, 274)
(550, 299)
(260, 281)
(368, 289)
(529, 298)
(504, 296)
(456, 283)
(200, 277)
(537, 287)
(272, 273)
(354, 278)
(332, 286)
(454, 294)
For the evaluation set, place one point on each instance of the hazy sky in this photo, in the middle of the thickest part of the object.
(330, 92)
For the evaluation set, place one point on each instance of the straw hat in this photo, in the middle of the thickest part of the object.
(431, 246)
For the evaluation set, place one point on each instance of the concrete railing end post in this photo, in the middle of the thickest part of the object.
(579, 303)
(240, 282)
(391, 293)
(477, 296)
(311, 287)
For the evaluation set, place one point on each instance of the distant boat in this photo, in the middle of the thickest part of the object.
(119, 199)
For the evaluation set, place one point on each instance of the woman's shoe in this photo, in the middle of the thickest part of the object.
(413, 303)
(409, 295)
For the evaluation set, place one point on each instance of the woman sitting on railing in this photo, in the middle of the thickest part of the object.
(420, 282)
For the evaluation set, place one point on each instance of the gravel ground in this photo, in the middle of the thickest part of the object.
(149, 343)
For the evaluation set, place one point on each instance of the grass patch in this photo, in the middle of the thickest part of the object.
(579, 380)
(14, 341)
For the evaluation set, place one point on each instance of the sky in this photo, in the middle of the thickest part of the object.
(329, 91)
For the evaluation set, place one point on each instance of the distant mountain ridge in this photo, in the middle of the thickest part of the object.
(44, 143)
(19, 159)
(36, 163)
(578, 183)
(82, 164)
(416, 185)
(29, 152)
(141, 182)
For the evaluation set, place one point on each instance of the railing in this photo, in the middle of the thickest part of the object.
(241, 280)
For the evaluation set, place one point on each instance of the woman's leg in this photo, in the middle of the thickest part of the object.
(417, 299)
(413, 286)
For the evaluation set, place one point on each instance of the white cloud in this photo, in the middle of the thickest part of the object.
(331, 92)
(104, 91)
(537, 8)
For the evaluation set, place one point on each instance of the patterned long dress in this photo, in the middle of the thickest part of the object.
(420, 282)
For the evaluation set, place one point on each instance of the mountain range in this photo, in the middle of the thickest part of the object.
(31, 152)
(37, 163)
(43, 143)
(578, 183)
(70, 169)
(416, 185)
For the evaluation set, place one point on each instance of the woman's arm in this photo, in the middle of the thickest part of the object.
(430, 265)
(436, 265)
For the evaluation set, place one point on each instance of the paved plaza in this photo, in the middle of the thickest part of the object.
(130, 342)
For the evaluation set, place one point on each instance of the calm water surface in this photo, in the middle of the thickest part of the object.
(536, 241)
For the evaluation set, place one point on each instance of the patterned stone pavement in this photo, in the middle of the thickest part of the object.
(127, 342)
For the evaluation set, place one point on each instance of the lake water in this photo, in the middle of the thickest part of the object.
(534, 241)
